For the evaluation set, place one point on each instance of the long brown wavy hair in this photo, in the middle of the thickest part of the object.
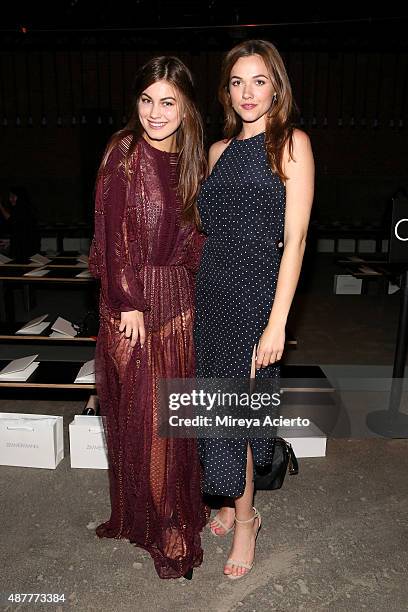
(189, 136)
(280, 119)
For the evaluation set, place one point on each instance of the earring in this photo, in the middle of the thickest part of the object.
(274, 97)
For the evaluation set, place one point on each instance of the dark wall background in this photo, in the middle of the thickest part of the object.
(62, 93)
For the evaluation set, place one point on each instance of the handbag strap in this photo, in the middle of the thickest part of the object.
(293, 462)
(292, 459)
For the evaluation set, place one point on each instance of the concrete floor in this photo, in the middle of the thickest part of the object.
(334, 538)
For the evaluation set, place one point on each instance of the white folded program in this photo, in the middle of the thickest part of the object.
(84, 274)
(19, 369)
(87, 373)
(64, 328)
(37, 257)
(37, 272)
(35, 326)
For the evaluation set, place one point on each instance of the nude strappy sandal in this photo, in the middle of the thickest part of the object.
(232, 562)
(216, 520)
(219, 523)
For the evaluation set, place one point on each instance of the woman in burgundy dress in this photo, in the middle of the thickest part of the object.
(146, 250)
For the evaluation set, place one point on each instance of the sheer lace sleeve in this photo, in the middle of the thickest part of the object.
(110, 255)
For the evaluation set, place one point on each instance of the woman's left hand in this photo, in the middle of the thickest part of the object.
(270, 345)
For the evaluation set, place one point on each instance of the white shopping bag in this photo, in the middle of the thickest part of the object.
(307, 441)
(87, 442)
(31, 440)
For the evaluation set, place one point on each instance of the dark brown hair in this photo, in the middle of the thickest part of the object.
(281, 115)
(189, 136)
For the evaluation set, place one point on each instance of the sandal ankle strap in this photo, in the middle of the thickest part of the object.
(256, 515)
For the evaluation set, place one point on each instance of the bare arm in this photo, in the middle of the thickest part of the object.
(299, 199)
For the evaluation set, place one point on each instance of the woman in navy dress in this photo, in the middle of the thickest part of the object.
(255, 209)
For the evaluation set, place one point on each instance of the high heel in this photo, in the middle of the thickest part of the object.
(237, 563)
(188, 575)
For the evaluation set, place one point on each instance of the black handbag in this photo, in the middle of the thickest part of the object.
(271, 476)
(89, 325)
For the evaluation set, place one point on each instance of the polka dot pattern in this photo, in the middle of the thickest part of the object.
(242, 208)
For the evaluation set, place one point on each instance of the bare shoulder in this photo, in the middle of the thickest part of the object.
(215, 152)
(300, 142)
(301, 152)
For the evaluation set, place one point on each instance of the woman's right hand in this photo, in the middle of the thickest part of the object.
(132, 324)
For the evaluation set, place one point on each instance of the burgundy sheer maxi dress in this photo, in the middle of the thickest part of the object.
(146, 260)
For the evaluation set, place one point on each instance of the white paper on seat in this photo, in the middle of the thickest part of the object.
(83, 258)
(19, 369)
(81, 264)
(36, 330)
(367, 270)
(40, 258)
(87, 372)
(84, 274)
(17, 365)
(20, 376)
(41, 272)
(64, 327)
(34, 322)
(4, 259)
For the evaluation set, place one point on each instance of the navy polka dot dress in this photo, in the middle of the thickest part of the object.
(242, 207)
